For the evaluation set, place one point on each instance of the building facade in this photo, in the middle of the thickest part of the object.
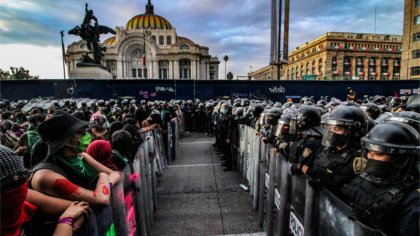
(410, 58)
(343, 56)
(149, 47)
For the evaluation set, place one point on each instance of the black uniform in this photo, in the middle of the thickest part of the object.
(395, 209)
(333, 168)
(225, 128)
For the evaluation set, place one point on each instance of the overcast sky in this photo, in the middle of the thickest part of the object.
(29, 30)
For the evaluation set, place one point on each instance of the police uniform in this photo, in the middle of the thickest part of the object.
(225, 128)
(394, 209)
(333, 168)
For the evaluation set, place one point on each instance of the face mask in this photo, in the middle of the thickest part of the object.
(331, 139)
(83, 143)
(224, 111)
(379, 171)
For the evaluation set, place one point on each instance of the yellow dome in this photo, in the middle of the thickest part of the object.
(148, 21)
(112, 41)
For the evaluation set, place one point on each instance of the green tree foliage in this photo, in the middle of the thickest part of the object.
(16, 74)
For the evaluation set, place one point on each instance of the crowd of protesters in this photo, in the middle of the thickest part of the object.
(59, 164)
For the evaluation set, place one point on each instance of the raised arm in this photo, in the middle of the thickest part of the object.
(56, 185)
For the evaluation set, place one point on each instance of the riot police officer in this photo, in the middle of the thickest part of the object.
(305, 125)
(268, 130)
(225, 128)
(386, 194)
(283, 138)
(340, 159)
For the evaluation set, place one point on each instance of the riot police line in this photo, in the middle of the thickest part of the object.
(133, 199)
(290, 201)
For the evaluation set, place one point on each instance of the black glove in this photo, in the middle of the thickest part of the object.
(315, 183)
(295, 169)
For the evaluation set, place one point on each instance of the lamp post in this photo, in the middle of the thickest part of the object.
(225, 58)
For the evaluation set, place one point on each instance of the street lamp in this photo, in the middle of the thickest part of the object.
(225, 58)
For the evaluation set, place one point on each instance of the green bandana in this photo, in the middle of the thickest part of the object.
(77, 166)
(120, 156)
(83, 143)
(33, 136)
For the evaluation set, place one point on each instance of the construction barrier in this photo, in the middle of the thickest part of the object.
(287, 204)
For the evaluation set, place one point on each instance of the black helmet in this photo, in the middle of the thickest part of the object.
(100, 103)
(272, 115)
(371, 109)
(124, 102)
(283, 125)
(257, 109)
(305, 120)
(277, 104)
(344, 126)
(239, 112)
(408, 117)
(397, 140)
(415, 106)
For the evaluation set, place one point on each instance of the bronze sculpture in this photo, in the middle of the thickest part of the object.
(91, 33)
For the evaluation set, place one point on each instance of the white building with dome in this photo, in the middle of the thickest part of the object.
(149, 48)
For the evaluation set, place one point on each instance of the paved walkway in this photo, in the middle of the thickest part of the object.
(195, 196)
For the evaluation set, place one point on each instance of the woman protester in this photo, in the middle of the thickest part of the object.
(68, 171)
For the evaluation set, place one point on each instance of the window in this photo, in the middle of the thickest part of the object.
(168, 40)
(417, 20)
(185, 69)
(416, 36)
(154, 38)
(139, 73)
(184, 47)
(417, 3)
(415, 70)
(416, 54)
(161, 40)
(145, 73)
(163, 69)
(134, 73)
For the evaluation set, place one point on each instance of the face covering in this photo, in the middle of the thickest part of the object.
(83, 143)
(331, 139)
(15, 211)
(224, 111)
(379, 171)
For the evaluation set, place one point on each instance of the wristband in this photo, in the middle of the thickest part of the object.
(66, 220)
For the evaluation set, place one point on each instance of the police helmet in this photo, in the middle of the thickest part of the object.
(348, 118)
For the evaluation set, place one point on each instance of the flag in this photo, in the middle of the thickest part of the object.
(396, 94)
(144, 52)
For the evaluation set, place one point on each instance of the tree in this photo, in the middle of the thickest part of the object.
(16, 74)
(229, 76)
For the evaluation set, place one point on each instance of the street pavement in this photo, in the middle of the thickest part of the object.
(196, 197)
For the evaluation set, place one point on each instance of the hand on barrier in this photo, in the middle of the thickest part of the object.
(316, 184)
(295, 169)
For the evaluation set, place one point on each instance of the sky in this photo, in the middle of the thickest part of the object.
(29, 29)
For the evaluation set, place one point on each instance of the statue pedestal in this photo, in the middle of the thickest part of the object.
(90, 72)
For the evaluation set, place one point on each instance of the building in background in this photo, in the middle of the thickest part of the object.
(344, 56)
(410, 58)
(338, 56)
(149, 47)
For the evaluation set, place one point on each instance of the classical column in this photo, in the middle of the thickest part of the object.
(353, 66)
(378, 68)
(207, 70)
(170, 72)
(119, 68)
(194, 69)
(366, 68)
(176, 69)
(391, 69)
(155, 74)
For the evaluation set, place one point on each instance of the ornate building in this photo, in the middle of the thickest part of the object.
(345, 56)
(410, 59)
(149, 47)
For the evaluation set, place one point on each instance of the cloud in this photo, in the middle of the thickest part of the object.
(238, 28)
